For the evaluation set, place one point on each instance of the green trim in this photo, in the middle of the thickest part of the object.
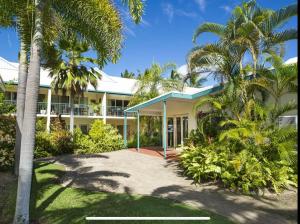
(165, 128)
(138, 131)
(125, 130)
(15, 84)
(93, 91)
(173, 95)
(109, 92)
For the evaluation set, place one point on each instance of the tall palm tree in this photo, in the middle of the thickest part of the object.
(152, 82)
(17, 14)
(69, 74)
(127, 74)
(254, 29)
(280, 80)
(98, 22)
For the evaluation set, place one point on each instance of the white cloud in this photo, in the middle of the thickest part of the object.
(170, 11)
(226, 8)
(201, 4)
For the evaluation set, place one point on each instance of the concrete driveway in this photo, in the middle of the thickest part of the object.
(125, 171)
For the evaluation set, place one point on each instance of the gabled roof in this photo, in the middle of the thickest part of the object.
(176, 95)
(109, 84)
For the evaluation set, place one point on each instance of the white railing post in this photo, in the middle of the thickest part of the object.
(104, 106)
(48, 110)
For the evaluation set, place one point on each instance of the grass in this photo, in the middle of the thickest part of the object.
(53, 203)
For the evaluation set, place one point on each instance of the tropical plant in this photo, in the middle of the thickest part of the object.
(103, 34)
(152, 82)
(101, 138)
(69, 74)
(7, 134)
(280, 80)
(253, 29)
(16, 14)
(127, 74)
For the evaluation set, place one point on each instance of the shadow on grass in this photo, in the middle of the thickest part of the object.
(242, 209)
(53, 203)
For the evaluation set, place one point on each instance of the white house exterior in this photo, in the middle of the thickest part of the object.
(112, 93)
(112, 97)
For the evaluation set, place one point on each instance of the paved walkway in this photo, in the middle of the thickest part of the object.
(136, 173)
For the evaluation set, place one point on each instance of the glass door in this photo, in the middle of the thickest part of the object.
(178, 131)
(170, 132)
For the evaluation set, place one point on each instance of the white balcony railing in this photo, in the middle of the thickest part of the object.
(79, 109)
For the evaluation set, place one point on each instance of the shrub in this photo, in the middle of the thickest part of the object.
(246, 157)
(53, 144)
(44, 147)
(40, 124)
(7, 141)
(105, 137)
(145, 140)
(63, 143)
(83, 144)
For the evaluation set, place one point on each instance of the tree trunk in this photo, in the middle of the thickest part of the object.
(22, 78)
(71, 113)
(254, 64)
(29, 122)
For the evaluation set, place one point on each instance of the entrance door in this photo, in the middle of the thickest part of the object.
(170, 132)
(178, 131)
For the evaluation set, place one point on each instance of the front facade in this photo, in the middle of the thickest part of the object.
(109, 102)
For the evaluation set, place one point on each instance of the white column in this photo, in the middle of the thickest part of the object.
(48, 110)
(104, 106)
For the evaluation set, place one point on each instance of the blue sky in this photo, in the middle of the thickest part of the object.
(165, 34)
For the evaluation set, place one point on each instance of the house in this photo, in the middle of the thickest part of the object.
(109, 102)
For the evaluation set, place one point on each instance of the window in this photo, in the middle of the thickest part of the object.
(178, 126)
(126, 102)
(42, 98)
(120, 129)
(119, 103)
(288, 120)
(11, 96)
(185, 122)
(84, 128)
(113, 102)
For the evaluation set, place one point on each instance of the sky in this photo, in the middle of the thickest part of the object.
(165, 33)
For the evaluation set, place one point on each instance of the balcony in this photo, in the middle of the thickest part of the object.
(117, 111)
(79, 109)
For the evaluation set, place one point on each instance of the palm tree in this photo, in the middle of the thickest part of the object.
(152, 82)
(69, 73)
(220, 60)
(253, 29)
(98, 22)
(127, 74)
(16, 14)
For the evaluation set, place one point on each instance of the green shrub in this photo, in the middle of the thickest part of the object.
(246, 158)
(83, 143)
(145, 140)
(53, 144)
(7, 141)
(63, 143)
(44, 147)
(40, 124)
(105, 137)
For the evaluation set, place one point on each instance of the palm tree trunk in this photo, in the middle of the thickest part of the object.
(71, 113)
(29, 122)
(22, 78)
(254, 64)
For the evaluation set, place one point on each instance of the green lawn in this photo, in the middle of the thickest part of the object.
(53, 203)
